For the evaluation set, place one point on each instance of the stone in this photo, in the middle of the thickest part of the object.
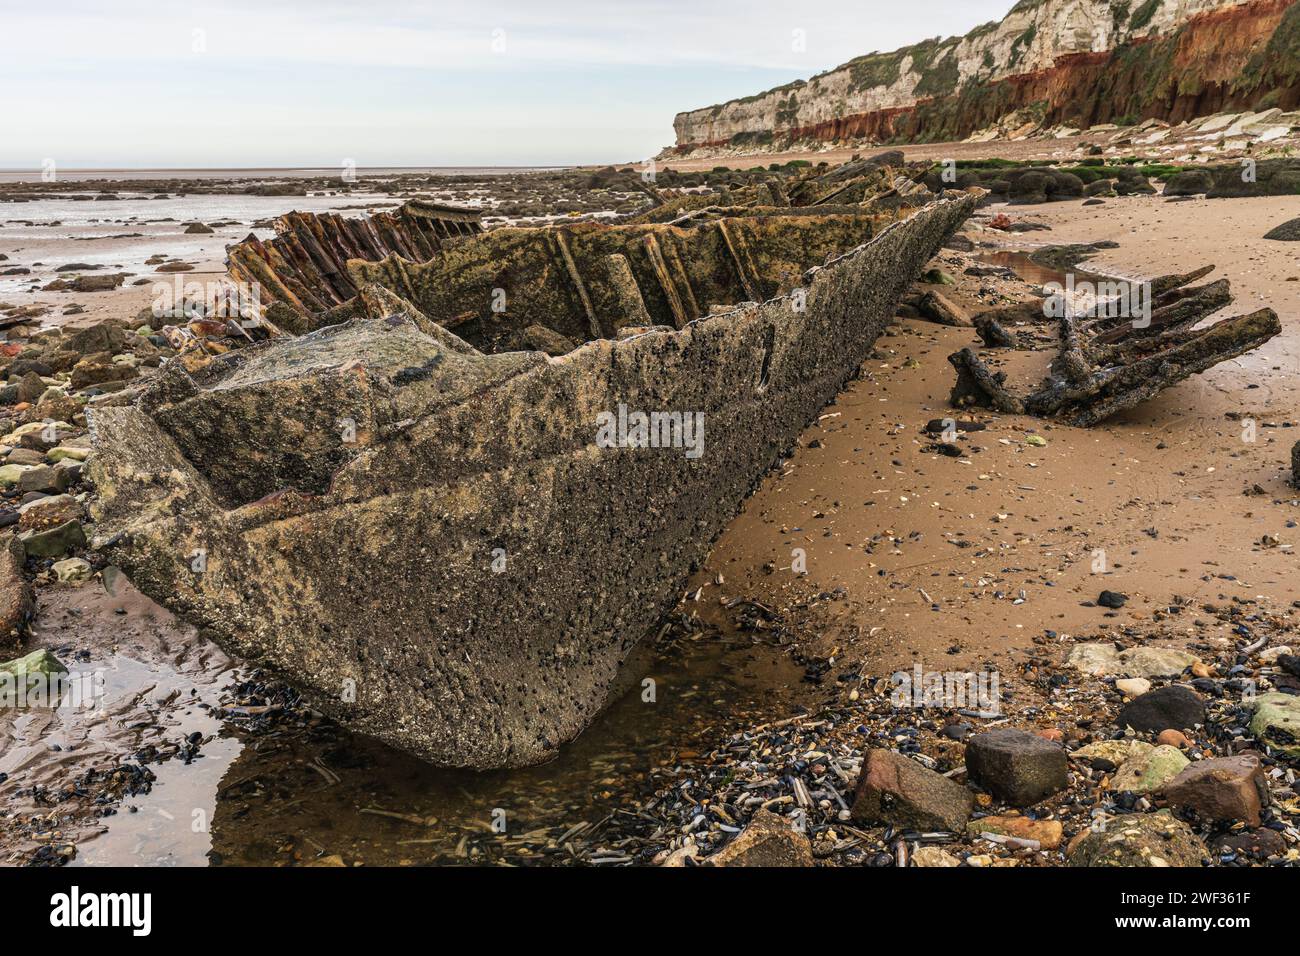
(72, 452)
(198, 228)
(1112, 599)
(25, 456)
(937, 307)
(47, 513)
(895, 789)
(1133, 686)
(43, 478)
(1256, 844)
(100, 369)
(1176, 707)
(55, 542)
(10, 474)
(932, 857)
(1191, 182)
(767, 841)
(1110, 755)
(1149, 772)
(55, 403)
(1173, 738)
(15, 593)
(73, 570)
(1221, 790)
(1048, 833)
(1276, 723)
(1104, 660)
(1287, 232)
(1140, 840)
(1018, 767)
(104, 337)
(30, 387)
(37, 662)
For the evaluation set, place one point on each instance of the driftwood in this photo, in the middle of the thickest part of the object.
(1111, 363)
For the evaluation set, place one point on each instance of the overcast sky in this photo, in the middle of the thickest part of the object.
(129, 83)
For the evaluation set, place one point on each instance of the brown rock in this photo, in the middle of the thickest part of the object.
(898, 790)
(100, 368)
(768, 841)
(1173, 738)
(937, 307)
(1047, 832)
(1221, 790)
(15, 593)
(49, 512)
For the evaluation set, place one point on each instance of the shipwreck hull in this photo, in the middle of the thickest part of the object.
(465, 578)
(304, 268)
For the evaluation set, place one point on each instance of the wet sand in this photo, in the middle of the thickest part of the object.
(1172, 520)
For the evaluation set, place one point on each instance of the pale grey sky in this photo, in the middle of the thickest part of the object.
(409, 82)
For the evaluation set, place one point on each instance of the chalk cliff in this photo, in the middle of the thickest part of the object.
(1047, 63)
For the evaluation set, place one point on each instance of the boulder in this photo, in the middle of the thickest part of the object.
(1287, 232)
(895, 789)
(767, 841)
(937, 307)
(45, 513)
(43, 478)
(1221, 790)
(1018, 767)
(1030, 189)
(55, 542)
(99, 369)
(1149, 772)
(1140, 840)
(73, 570)
(104, 337)
(1110, 755)
(1277, 723)
(15, 593)
(1176, 707)
(1104, 660)
(1190, 182)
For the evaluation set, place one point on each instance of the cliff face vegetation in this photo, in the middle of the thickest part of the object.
(1048, 62)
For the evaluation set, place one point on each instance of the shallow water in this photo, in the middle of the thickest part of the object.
(119, 236)
(305, 789)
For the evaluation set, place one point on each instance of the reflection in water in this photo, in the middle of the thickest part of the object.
(304, 789)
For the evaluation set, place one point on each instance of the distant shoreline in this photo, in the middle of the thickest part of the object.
(16, 175)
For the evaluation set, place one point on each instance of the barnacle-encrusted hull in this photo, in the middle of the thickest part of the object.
(430, 541)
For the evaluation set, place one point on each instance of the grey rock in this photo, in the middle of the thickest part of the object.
(1176, 707)
(1018, 767)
